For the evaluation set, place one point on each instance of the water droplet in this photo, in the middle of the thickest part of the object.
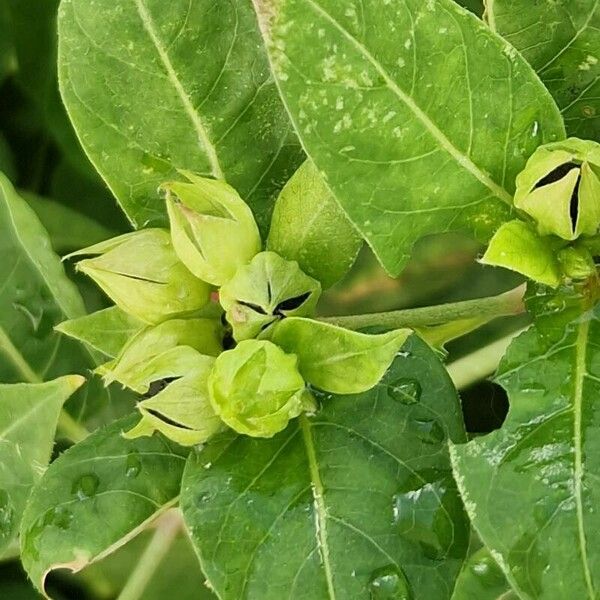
(429, 431)
(133, 466)
(407, 391)
(389, 583)
(487, 572)
(86, 486)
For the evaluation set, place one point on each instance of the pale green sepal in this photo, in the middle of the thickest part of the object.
(589, 201)
(106, 330)
(141, 273)
(338, 360)
(518, 247)
(256, 388)
(268, 289)
(137, 364)
(212, 228)
(182, 410)
(309, 225)
(550, 206)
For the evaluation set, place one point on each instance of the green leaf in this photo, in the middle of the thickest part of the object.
(190, 88)
(531, 488)
(279, 518)
(8, 62)
(560, 40)
(36, 295)
(68, 229)
(482, 579)
(419, 117)
(309, 226)
(107, 330)
(28, 417)
(518, 247)
(335, 359)
(95, 497)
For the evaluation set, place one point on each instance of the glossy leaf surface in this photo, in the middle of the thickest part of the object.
(560, 40)
(530, 488)
(176, 85)
(28, 418)
(419, 117)
(353, 501)
(309, 226)
(105, 479)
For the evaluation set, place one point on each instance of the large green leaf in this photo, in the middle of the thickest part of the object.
(36, 295)
(417, 115)
(28, 417)
(353, 502)
(176, 85)
(561, 41)
(95, 497)
(531, 488)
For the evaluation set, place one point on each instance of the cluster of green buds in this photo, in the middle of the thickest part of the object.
(558, 201)
(227, 337)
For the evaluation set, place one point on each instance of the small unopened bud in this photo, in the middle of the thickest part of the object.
(267, 290)
(141, 273)
(213, 229)
(256, 388)
(178, 404)
(560, 188)
(576, 262)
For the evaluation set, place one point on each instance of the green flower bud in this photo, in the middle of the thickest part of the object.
(178, 405)
(143, 359)
(256, 388)
(213, 229)
(560, 188)
(576, 262)
(143, 276)
(265, 291)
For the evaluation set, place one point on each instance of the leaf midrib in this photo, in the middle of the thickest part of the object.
(580, 372)
(205, 142)
(319, 503)
(463, 160)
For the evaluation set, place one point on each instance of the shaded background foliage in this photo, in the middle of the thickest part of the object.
(40, 153)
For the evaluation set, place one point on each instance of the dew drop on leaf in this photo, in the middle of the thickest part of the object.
(407, 391)
(133, 465)
(487, 572)
(429, 431)
(389, 583)
(86, 486)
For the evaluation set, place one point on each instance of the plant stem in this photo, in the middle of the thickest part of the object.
(70, 428)
(480, 364)
(507, 304)
(167, 529)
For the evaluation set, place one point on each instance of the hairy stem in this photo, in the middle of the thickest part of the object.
(480, 364)
(507, 304)
(167, 529)
(70, 428)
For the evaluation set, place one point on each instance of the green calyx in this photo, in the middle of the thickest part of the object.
(558, 193)
(141, 273)
(212, 228)
(560, 189)
(265, 291)
(256, 388)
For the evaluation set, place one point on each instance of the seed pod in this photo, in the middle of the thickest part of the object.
(213, 229)
(560, 188)
(143, 276)
(256, 388)
(265, 291)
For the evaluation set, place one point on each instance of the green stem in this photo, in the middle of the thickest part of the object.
(167, 529)
(507, 304)
(480, 364)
